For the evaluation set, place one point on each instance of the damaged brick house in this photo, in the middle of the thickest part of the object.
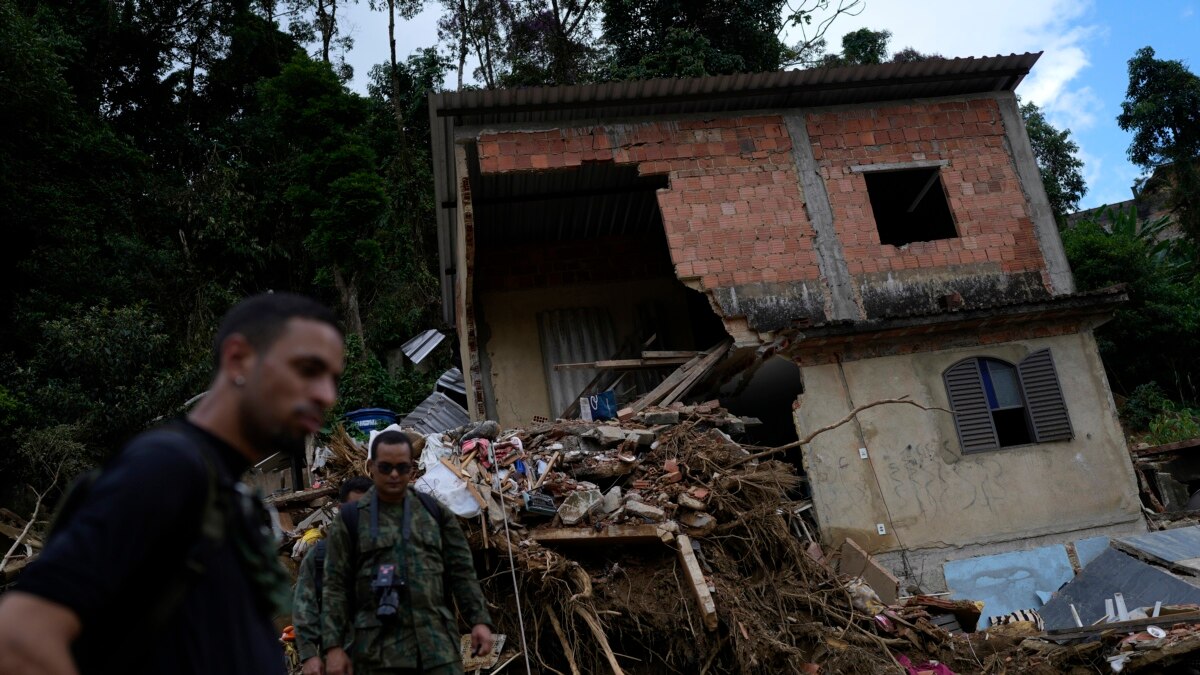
(882, 227)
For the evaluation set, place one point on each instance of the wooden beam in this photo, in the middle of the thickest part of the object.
(701, 370)
(303, 496)
(665, 387)
(669, 354)
(1122, 626)
(613, 535)
(624, 364)
(691, 567)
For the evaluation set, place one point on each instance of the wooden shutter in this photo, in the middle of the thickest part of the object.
(1043, 398)
(972, 417)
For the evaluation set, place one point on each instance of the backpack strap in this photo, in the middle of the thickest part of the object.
(432, 505)
(212, 534)
(319, 561)
(349, 515)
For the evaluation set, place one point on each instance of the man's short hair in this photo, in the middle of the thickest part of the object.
(261, 318)
(355, 484)
(390, 438)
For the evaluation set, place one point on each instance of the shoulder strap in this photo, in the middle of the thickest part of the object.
(349, 515)
(432, 505)
(211, 534)
(319, 572)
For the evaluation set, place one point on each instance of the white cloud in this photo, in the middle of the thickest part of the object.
(956, 28)
(1188, 12)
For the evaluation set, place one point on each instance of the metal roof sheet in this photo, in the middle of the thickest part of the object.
(595, 103)
(420, 346)
(436, 414)
(452, 380)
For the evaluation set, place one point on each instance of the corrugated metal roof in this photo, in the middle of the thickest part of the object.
(452, 380)
(420, 346)
(436, 414)
(593, 103)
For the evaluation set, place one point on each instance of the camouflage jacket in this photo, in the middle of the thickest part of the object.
(424, 634)
(306, 607)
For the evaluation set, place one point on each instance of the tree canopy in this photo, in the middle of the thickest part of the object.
(1162, 109)
(1057, 157)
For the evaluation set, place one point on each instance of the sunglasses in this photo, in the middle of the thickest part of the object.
(386, 468)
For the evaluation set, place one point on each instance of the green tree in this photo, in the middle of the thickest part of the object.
(1162, 109)
(865, 46)
(330, 179)
(1057, 159)
(679, 38)
(1156, 335)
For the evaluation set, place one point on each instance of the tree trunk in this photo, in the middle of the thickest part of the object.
(348, 289)
(397, 106)
(325, 19)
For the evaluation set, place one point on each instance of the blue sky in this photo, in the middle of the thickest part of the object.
(1080, 80)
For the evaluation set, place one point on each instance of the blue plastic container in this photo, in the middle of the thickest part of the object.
(369, 419)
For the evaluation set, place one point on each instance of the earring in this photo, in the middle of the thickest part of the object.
(239, 380)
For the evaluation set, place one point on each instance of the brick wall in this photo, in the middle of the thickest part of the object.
(566, 263)
(733, 211)
(981, 183)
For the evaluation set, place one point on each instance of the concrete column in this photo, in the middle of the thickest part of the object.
(1059, 271)
(831, 260)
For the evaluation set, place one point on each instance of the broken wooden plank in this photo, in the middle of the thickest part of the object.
(628, 348)
(549, 468)
(665, 387)
(302, 496)
(698, 373)
(669, 354)
(612, 535)
(457, 471)
(623, 364)
(857, 562)
(691, 567)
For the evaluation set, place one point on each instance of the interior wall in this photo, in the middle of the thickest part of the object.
(517, 374)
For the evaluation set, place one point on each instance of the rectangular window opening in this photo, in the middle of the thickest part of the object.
(909, 205)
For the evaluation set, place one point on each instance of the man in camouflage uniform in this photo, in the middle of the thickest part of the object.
(422, 637)
(306, 603)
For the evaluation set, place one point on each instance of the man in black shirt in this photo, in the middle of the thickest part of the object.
(93, 601)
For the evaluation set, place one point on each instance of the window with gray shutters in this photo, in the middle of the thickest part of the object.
(999, 405)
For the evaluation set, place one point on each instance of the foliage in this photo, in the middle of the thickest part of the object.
(1174, 425)
(867, 47)
(1162, 109)
(1058, 160)
(1156, 335)
(678, 38)
(522, 42)
(367, 383)
(1145, 403)
(162, 160)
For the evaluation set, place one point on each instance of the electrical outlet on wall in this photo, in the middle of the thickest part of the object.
(862, 453)
(880, 528)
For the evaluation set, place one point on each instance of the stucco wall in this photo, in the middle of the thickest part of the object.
(513, 345)
(925, 491)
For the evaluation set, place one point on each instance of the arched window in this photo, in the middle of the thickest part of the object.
(999, 405)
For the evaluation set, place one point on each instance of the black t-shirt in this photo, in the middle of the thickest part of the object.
(134, 531)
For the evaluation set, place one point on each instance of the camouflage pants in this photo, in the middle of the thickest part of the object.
(447, 669)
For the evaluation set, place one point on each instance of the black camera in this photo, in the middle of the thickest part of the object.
(387, 585)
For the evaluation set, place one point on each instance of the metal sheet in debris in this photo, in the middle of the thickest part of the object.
(436, 414)
(1112, 572)
(1089, 549)
(422, 345)
(1009, 581)
(1179, 548)
(452, 380)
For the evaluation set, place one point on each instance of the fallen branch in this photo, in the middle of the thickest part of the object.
(562, 637)
(849, 416)
(32, 519)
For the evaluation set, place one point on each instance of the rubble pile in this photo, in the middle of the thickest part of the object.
(659, 543)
